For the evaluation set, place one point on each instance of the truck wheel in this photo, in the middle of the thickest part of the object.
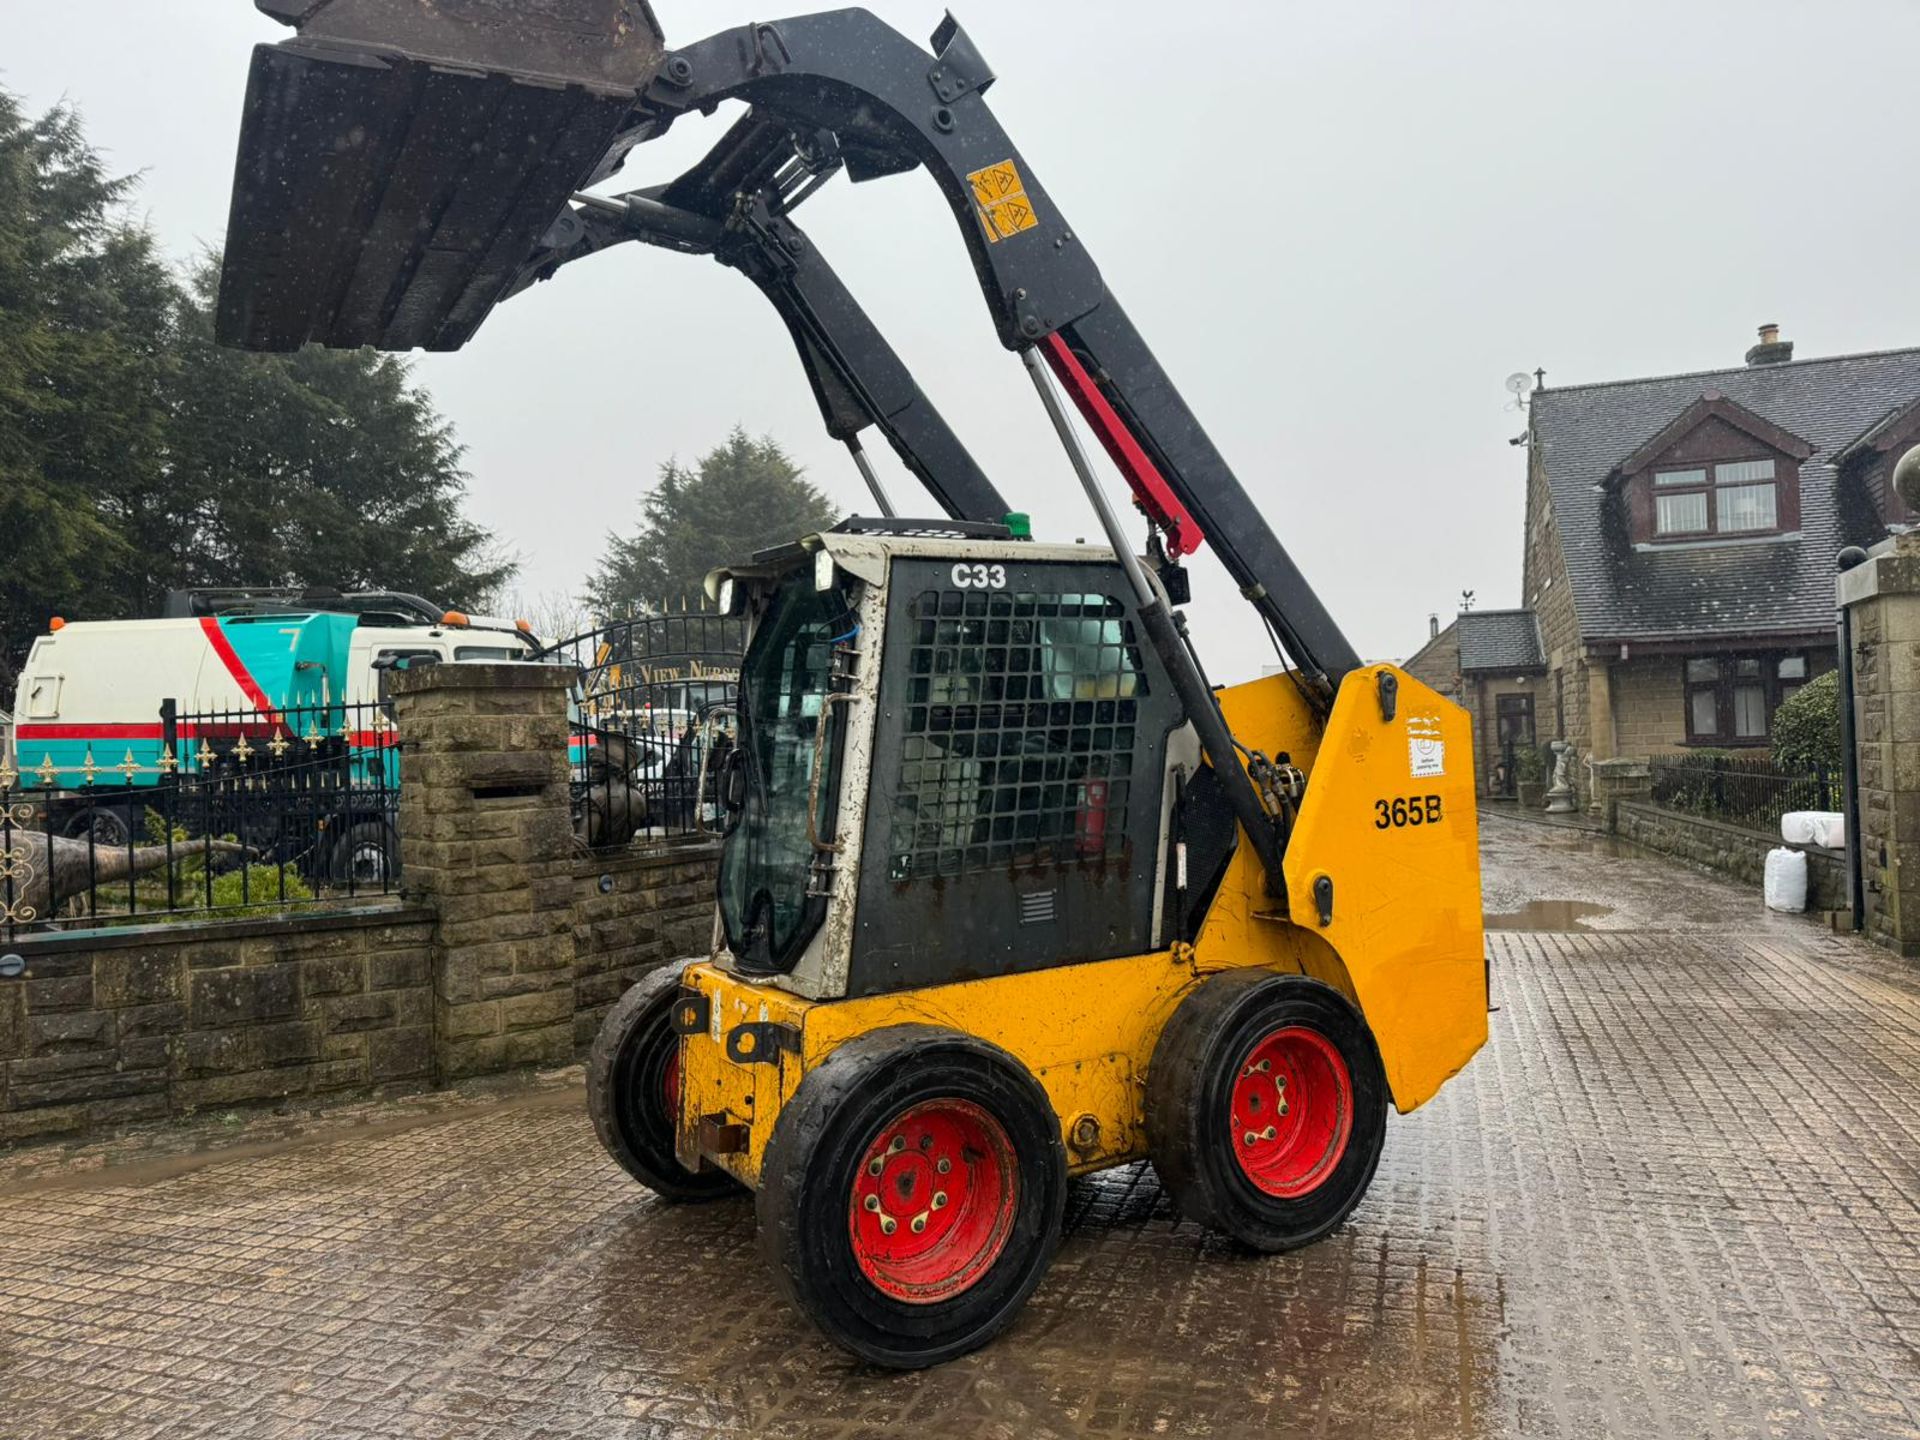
(110, 828)
(911, 1194)
(1266, 1107)
(633, 1091)
(367, 856)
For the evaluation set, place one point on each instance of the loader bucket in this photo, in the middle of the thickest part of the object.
(400, 159)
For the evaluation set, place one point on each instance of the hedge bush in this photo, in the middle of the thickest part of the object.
(1806, 727)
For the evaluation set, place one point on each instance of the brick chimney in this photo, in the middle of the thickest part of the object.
(1771, 350)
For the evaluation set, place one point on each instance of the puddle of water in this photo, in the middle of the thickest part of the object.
(1547, 915)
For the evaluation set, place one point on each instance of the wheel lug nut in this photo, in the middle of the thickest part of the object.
(888, 1225)
(939, 1199)
(1268, 1133)
(1283, 1107)
(920, 1222)
(926, 1142)
(898, 1144)
(1249, 1138)
(943, 1165)
(873, 1166)
(872, 1203)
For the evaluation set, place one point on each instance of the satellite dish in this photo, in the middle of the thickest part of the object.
(1519, 382)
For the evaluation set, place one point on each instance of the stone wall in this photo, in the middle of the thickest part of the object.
(630, 913)
(1561, 709)
(1883, 602)
(1437, 663)
(1649, 705)
(486, 840)
(1738, 854)
(506, 950)
(118, 1025)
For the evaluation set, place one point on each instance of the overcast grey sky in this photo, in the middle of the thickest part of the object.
(1340, 225)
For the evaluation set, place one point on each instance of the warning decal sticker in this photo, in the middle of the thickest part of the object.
(1426, 751)
(1001, 198)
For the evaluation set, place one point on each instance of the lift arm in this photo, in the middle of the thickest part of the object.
(1039, 281)
(446, 194)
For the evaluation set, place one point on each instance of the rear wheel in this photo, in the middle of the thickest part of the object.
(110, 828)
(1266, 1107)
(633, 1091)
(911, 1194)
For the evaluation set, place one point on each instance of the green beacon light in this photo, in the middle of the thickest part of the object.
(1019, 524)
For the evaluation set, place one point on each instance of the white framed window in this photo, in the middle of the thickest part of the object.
(1682, 514)
(1747, 507)
(1742, 472)
(1732, 497)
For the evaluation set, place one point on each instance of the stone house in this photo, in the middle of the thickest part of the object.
(1680, 537)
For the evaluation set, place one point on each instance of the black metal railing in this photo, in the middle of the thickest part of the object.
(651, 721)
(1750, 793)
(206, 815)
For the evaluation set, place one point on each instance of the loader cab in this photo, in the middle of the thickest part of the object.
(953, 763)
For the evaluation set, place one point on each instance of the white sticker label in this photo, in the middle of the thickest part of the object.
(1426, 751)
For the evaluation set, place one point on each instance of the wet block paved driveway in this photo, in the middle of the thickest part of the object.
(1676, 1196)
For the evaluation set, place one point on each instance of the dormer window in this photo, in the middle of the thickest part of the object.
(1735, 497)
(1717, 471)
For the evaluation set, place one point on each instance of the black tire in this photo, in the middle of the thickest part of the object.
(367, 856)
(1297, 1177)
(833, 1132)
(112, 829)
(627, 1091)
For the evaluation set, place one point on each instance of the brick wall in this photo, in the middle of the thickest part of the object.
(105, 1027)
(631, 913)
(1730, 851)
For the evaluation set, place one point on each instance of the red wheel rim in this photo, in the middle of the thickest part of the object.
(933, 1201)
(1292, 1112)
(670, 1086)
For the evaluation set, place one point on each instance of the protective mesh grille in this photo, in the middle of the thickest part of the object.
(1020, 730)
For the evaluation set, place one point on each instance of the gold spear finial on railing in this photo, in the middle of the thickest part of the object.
(167, 763)
(129, 767)
(48, 771)
(88, 768)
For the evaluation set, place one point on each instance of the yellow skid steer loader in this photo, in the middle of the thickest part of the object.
(1008, 891)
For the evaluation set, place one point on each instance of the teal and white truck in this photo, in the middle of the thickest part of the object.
(108, 709)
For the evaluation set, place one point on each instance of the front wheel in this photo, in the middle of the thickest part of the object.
(633, 1091)
(911, 1194)
(1266, 1107)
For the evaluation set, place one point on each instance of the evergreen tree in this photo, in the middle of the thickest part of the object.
(86, 311)
(322, 467)
(137, 456)
(742, 496)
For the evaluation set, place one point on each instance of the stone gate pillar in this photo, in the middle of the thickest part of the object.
(486, 839)
(1882, 599)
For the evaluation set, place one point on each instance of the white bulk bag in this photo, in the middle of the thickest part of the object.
(1814, 827)
(1786, 880)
